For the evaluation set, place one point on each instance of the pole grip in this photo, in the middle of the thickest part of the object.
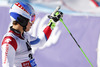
(57, 8)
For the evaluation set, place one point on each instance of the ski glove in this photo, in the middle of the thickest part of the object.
(54, 19)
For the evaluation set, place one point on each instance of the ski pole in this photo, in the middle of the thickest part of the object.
(61, 20)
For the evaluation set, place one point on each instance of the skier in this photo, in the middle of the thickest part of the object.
(16, 43)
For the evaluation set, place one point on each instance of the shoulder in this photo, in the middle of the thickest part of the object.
(29, 36)
(10, 41)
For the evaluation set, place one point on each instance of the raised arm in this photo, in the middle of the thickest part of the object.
(44, 36)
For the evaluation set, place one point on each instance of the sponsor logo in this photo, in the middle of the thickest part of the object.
(26, 64)
(6, 53)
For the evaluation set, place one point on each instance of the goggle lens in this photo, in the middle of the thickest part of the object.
(32, 18)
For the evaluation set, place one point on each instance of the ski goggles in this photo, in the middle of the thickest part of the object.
(32, 18)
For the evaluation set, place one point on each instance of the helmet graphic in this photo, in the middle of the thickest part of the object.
(22, 13)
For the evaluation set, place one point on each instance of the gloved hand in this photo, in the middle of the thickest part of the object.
(54, 19)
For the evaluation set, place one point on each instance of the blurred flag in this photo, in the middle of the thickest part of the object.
(95, 3)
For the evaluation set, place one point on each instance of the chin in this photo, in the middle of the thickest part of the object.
(26, 30)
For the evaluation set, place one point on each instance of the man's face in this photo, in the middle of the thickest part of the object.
(30, 23)
(28, 27)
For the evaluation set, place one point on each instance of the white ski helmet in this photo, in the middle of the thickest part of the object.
(22, 13)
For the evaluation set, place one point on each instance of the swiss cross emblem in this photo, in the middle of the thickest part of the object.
(7, 40)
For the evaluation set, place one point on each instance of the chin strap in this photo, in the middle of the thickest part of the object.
(24, 28)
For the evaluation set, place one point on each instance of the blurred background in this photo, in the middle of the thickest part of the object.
(83, 20)
(68, 6)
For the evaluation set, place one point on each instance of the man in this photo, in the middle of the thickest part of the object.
(16, 44)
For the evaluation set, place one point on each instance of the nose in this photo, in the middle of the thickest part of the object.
(31, 24)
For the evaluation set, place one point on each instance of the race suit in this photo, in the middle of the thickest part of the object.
(16, 48)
